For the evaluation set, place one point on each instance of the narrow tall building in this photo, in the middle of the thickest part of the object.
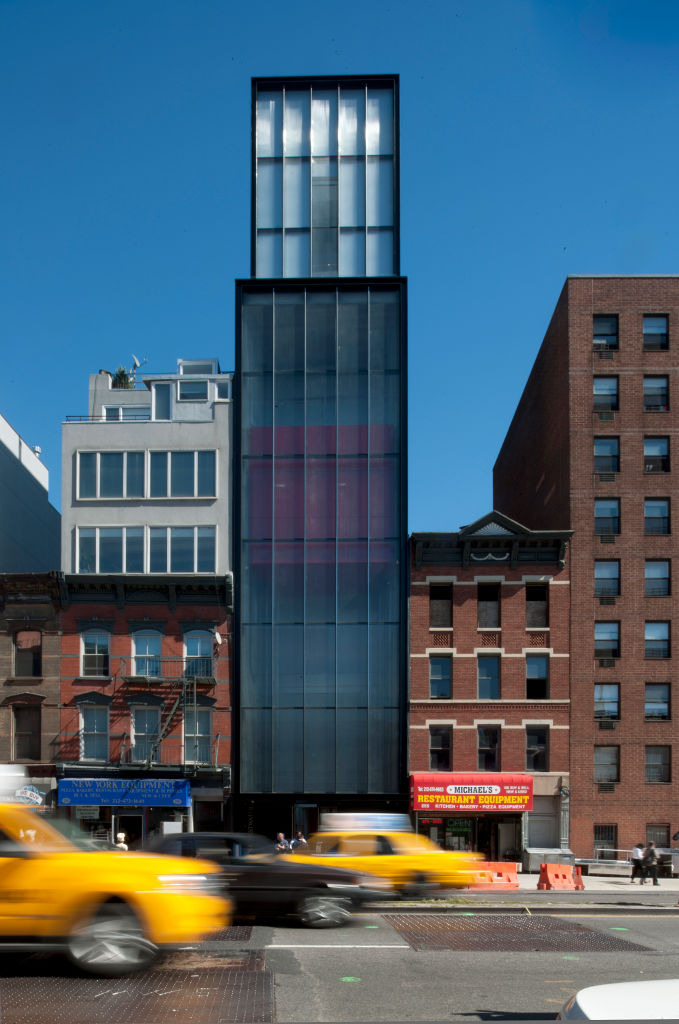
(590, 449)
(320, 542)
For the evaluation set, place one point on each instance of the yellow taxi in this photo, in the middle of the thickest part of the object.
(110, 912)
(412, 863)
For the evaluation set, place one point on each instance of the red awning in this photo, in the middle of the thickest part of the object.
(471, 791)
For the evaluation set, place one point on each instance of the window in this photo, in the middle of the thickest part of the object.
(488, 602)
(147, 654)
(657, 577)
(111, 474)
(656, 455)
(537, 748)
(127, 413)
(439, 677)
(605, 329)
(606, 578)
(192, 390)
(655, 333)
(111, 549)
(606, 841)
(440, 748)
(488, 674)
(607, 515)
(183, 474)
(657, 640)
(488, 738)
(95, 654)
(161, 401)
(440, 606)
(657, 702)
(198, 648)
(656, 394)
(656, 516)
(606, 764)
(197, 735)
(28, 653)
(145, 731)
(182, 549)
(658, 834)
(26, 732)
(606, 455)
(606, 639)
(93, 732)
(605, 394)
(606, 701)
(537, 605)
(537, 677)
(658, 764)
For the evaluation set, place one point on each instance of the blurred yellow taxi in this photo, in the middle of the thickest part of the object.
(110, 912)
(411, 862)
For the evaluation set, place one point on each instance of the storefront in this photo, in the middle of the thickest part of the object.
(480, 811)
(139, 807)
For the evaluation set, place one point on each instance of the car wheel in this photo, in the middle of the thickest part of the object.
(417, 886)
(323, 911)
(111, 942)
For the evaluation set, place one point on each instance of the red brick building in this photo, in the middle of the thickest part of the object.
(590, 449)
(145, 730)
(489, 684)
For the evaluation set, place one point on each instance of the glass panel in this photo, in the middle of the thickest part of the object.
(352, 336)
(352, 750)
(87, 477)
(383, 743)
(380, 121)
(319, 750)
(352, 498)
(385, 335)
(296, 122)
(352, 582)
(321, 414)
(111, 475)
(269, 124)
(289, 336)
(320, 497)
(257, 582)
(87, 550)
(324, 122)
(321, 317)
(257, 413)
(489, 678)
(320, 595)
(206, 549)
(288, 751)
(352, 192)
(135, 475)
(385, 411)
(289, 498)
(319, 666)
(288, 666)
(297, 254)
(384, 490)
(256, 661)
(352, 665)
(380, 252)
(297, 194)
(112, 413)
(352, 252)
(384, 666)
(110, 550)
(384, 569)
(380, 192)
(158, 549)
(352, 413)
(182, 466)
(606, 700)
(289, 582)
(162, 401)
(256, 737)
(257, 332)
(324, 216)
(352, 121)
(257, 489)
(158, 474)
(269, 253)
(181, 549)
(657, 702)
(269, 194)
(192, 390)
(147, 654)
(134, 549)
(206, 474)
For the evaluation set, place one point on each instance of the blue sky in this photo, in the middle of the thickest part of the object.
(538, 139)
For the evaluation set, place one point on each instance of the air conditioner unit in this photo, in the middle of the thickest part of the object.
(607, 538)
(606, 478)
(607, 415)
(605, 354)
(606, 662)
(606, 725)
(607, 600)
(607, 787)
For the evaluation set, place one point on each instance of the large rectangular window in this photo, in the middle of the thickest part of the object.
(93, 732)
(537, 605)
(182, 549)
(606, 841)
(95, 654)
(537, 677)
(488, 739)
(605, 394)
(657, 640)
(656, 516)
(110, 549)
(607, 578)
(111, 474)
(657, 702)
(606, 639)
(656, 394)
(606, 701)
(488, 605)
(145, 731)
(606, 764)
(537, 748)
(440, 606)
(607, 515)
(26, 732)
(658, 764)
(488, 669)
(605, 331)
(197, 735)
(657, 577)
(440, 748)
(606, 455)
(123, 474)
(28, 653)
(656, 335)
(440, 678)
(656, 454)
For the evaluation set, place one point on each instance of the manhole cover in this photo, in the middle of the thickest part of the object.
(236, 933)
(505, 932)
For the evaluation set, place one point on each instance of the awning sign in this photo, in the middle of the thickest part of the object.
(125, 792)
(471, 791)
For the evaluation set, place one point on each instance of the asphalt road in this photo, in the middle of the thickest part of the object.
(379, 967)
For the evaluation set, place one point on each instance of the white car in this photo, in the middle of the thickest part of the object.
(627, 1000)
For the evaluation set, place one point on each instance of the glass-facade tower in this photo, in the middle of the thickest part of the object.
(321, 521)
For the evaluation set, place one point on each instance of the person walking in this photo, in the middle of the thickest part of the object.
(281, 845)
(649, 864)
(120, 841)
(637, 857)
(299, 842)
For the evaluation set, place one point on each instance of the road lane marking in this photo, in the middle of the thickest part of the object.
(338, 945)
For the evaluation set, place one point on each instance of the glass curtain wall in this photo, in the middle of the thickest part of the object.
(320, 552)
(325, 181)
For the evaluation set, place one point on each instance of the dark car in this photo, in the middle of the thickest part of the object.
(260, 883)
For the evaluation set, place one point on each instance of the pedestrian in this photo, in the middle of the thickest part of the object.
(299, 842)
(281, 845)
(649, 864)
(637, 857)
(120, 841)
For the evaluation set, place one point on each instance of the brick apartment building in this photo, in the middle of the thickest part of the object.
(590, 449)
(489, 686)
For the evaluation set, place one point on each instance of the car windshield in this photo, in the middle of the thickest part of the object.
(27, 826)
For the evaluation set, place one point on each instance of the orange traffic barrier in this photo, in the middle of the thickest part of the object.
(494, 875)
(560, 876)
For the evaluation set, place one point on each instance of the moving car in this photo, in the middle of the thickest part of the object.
(110, 912)
(627, 1000)
(411, 862)
(263, 883)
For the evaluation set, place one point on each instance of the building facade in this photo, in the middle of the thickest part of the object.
(29, 524)
(489, 702)
(590, 449)
(321, 457)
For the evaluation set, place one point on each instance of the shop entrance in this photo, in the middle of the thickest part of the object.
(133, 827)
(496, 836)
